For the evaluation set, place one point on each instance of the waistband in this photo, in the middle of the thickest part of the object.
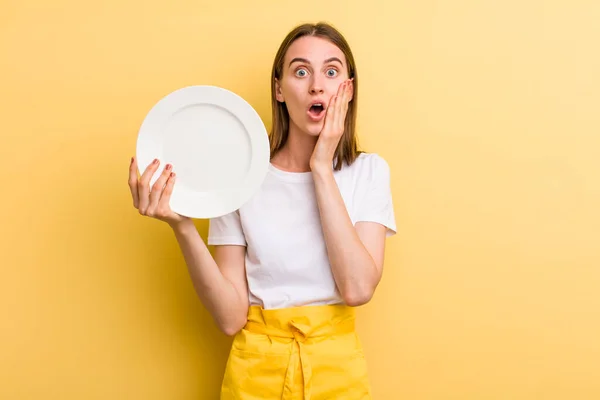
(309, 321)
(300, 324)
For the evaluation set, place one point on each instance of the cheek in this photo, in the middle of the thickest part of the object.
(294, 95)
(333, 86)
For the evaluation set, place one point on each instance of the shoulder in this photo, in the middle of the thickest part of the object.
(373, 159)
(369, 165)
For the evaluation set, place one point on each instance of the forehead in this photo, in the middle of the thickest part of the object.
(314, 49)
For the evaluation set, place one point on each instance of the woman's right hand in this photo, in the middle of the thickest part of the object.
(154, 201)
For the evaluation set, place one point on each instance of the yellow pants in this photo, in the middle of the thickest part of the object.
(308, 353)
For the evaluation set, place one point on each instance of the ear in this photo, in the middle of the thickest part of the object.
(278, 92)
(351, 89)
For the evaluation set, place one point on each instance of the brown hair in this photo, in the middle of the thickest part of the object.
(347, 149)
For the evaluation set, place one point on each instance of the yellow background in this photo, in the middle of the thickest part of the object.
(488, 113)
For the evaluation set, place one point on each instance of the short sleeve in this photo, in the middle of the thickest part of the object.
(226, 229)
(376, 204)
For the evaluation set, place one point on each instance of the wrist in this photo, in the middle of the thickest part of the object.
(320, 164)
(183, 227)
(322, 169)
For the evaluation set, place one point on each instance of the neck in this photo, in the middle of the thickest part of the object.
(295, 155)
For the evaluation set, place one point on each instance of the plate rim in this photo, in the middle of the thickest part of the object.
(220, 202)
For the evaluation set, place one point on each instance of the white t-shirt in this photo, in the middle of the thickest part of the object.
(286, 258)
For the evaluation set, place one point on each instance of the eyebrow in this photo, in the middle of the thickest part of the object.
(304, 60)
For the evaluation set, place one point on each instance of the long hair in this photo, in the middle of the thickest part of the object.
(347, 149)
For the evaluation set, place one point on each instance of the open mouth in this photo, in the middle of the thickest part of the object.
(316, 110)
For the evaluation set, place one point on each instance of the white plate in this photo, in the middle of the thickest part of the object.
(217, 144)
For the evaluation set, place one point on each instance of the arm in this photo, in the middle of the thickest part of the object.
(220, 282)
(355, 254)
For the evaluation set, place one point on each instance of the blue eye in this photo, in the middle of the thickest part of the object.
(301, 73)
(331, 72)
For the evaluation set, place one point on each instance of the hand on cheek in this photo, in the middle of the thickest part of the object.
(333, 127)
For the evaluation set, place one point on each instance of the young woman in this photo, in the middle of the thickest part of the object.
(292, 263)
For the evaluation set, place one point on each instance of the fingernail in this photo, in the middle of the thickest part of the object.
(155, 161)
(172, 175)
(131, 160)
(168, 167)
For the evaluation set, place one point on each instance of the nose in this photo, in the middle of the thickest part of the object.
(316, 87)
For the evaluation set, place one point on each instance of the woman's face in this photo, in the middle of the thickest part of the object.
(313, 69)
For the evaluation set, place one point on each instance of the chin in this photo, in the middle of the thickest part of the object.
(308, 127)
(313, 132)
(313, 129)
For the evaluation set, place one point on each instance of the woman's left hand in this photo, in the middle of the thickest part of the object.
(333, 128)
